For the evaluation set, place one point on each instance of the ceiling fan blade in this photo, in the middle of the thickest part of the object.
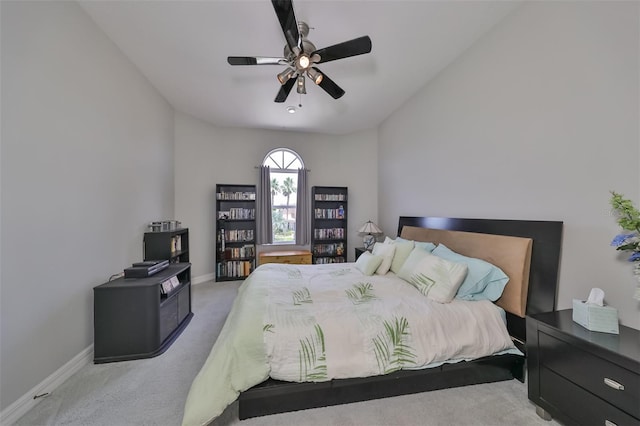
(255, 60)
(288, 22)
(329, 86)
(284, 90)
(357, 46)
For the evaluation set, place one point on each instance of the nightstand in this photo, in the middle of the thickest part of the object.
(359, 251)
(581, 376)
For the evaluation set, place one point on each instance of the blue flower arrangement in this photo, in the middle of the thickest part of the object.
(628, 217)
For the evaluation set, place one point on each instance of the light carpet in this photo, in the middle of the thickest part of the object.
(153, 391)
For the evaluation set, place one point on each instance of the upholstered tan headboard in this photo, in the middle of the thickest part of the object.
(511, 254)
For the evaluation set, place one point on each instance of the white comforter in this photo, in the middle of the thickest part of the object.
(320, 322)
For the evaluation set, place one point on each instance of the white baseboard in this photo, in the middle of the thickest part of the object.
(13, 412)
(203, 278)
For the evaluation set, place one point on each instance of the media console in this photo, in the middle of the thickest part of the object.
(140, 317)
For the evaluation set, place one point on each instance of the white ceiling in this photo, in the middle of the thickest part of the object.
(181, 46)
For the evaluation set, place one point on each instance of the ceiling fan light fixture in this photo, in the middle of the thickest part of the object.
(285, 75)
(303, 62)
(300, 55)
(315, 76)
(301, 85)
(291, 109)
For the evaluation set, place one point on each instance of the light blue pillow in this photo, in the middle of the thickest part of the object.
(420, 244)
(484, 281)
(425, 246)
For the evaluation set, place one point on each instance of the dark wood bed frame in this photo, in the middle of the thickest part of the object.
(273, 396)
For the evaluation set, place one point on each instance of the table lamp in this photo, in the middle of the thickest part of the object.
(370, 229)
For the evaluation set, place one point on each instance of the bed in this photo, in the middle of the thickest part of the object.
(527, 251)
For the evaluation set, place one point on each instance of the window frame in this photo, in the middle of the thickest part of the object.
(275, 166)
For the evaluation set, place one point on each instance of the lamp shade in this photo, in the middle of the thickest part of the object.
(285, 75)
(301, 88)
(370, 228)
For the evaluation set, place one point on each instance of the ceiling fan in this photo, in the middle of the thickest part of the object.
(300, 55)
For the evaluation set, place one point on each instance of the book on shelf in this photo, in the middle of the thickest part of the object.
(328, 249)
(169, 285)
(234, 268)
(329, 213)
(235, 235)
(176, 243)
(175, 282)
(239, 252)
(328, 233)
(165, 287)
(237, 214)
(324, 260)
(236, 196)
(330, 197)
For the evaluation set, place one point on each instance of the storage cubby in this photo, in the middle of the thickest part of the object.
(171, 245)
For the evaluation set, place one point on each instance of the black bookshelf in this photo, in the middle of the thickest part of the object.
(329, 224)
(235, 231)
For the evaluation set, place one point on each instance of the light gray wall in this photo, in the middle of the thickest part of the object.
(206, 155)
(87, 161)
(538, 120)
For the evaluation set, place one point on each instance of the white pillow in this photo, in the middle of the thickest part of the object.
(386, 251)
(367, 263)
(403, 250)
(435, 277)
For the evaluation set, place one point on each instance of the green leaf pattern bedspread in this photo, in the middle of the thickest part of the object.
(320, 322)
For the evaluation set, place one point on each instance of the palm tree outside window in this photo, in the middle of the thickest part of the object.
(283, 165)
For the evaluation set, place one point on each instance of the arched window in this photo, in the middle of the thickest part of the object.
(283, 169)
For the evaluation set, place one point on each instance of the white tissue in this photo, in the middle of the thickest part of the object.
(596, 297)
